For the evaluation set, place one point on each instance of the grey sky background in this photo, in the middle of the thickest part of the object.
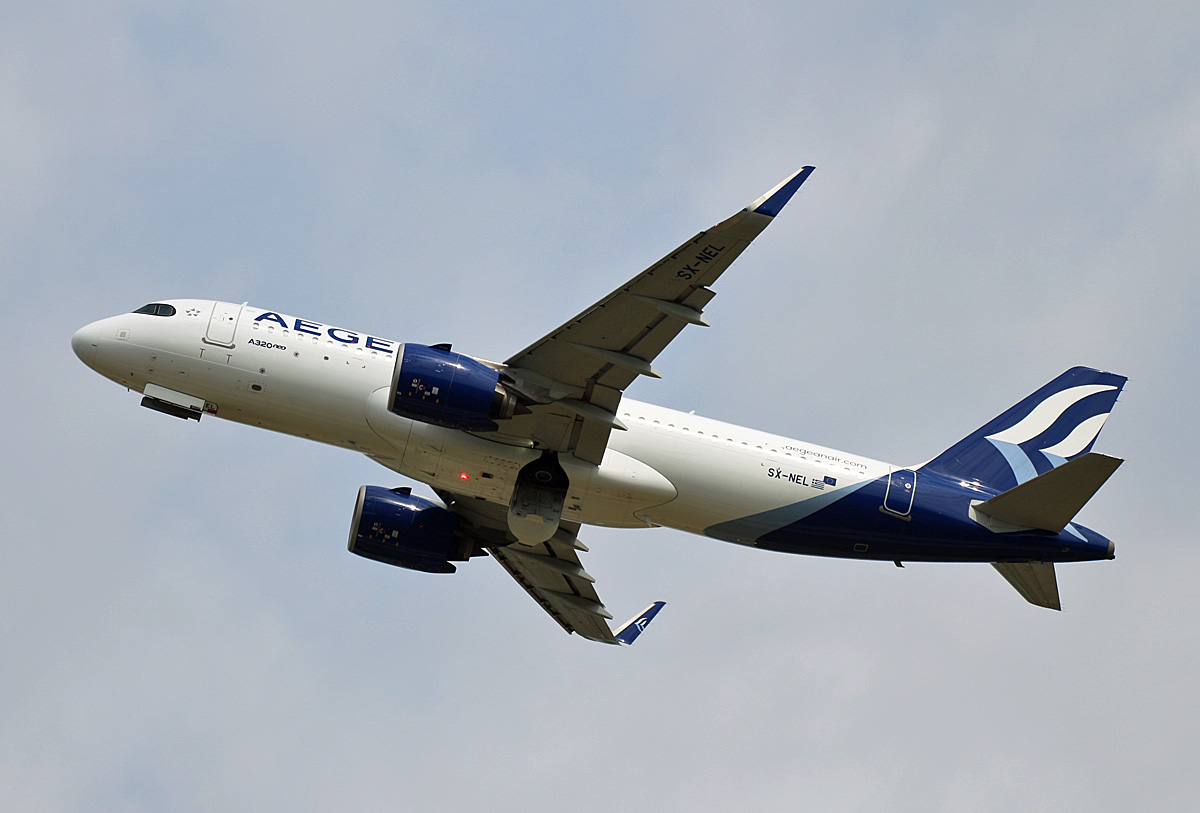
(1003, 190)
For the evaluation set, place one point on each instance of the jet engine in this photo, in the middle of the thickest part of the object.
(434, 385)
(397, 528)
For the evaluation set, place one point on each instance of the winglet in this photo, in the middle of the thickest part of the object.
(632, 628)
(773, 202)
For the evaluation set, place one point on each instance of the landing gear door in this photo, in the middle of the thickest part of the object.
(223, 323)
(902, 486)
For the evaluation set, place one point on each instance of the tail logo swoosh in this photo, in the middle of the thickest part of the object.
(1059, 441)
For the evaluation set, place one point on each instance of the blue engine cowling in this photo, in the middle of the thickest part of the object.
(434, 385)
(406, 531)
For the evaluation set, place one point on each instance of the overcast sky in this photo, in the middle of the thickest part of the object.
(1003, 190)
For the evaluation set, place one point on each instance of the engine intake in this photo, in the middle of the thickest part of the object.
(400, 529)
(434, 385)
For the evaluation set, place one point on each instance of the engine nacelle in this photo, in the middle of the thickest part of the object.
(406, 531)
(434, 385)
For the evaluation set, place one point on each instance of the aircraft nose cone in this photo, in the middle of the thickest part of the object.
(1112, 550)
(85, 342)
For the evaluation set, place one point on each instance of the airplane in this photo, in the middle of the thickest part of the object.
(523, 453)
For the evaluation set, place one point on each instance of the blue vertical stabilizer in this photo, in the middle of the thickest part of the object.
(1057, 423)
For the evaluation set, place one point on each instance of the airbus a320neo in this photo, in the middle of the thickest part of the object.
(524, 452)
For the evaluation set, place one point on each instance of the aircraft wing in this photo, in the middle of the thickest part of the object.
(549, 571)
(577, 373)
(552, 573)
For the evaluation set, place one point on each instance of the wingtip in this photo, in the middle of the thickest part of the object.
(632, 628)
(773, 202)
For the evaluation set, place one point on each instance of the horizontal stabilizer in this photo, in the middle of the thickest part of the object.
(1035, 581)
(1051, 500)
(632, 628)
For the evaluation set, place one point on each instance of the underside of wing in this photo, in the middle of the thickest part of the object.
(552, 573)
(549, 571)
(576, 374)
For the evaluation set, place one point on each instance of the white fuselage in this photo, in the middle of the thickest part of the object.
(331, 385)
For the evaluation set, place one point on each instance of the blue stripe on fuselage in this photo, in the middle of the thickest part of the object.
(850, 523)
(748, 530)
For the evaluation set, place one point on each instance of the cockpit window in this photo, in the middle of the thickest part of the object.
(157, 309)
